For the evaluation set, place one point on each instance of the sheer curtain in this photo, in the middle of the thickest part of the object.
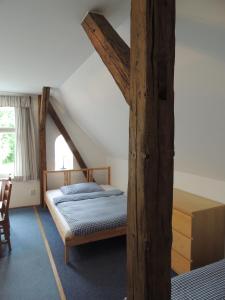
(25, 156)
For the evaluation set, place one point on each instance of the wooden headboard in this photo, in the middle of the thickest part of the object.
(88, 175)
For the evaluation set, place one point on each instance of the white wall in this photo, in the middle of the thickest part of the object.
(119, 172)
(25, 194)
(95, 102)
(202, 186)
(97, 117)
(28, 193)
(91, 153)
(93, 99)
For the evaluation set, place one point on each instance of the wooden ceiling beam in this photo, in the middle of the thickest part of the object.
(67, 137)
(114, 52)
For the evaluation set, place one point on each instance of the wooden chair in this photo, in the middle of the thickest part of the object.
(4, 215)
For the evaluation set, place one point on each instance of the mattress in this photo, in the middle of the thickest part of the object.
(90, 213)
(61, 223)
(206, 283)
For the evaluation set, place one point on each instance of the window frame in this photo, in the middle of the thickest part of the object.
(60, 136)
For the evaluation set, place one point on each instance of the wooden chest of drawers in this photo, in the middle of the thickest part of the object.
(198, 231)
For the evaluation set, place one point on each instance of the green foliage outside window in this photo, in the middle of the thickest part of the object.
(7, 139)
(7, 147)
(7, 117)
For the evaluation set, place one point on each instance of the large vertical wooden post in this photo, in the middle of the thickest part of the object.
(151, 149)
(43, 108)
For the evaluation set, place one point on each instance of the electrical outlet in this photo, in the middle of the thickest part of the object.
(33, 192)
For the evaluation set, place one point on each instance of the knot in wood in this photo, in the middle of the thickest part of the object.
(147, 156)
(133, 155)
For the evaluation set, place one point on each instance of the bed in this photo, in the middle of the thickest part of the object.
(103, 228)
(206, 283)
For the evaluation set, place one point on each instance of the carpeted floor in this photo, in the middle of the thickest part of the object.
(26, 274)
(97, 271)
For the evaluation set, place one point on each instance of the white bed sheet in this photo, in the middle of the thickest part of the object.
(62, 225)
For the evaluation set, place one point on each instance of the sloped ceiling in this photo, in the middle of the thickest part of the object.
(94, 101)
(42, 42)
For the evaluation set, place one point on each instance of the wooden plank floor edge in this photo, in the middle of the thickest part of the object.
(50, 256)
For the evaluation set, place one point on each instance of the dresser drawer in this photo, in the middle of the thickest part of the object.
(179, 263)
(182, 244)
(182, 223)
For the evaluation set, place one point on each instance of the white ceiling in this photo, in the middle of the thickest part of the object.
(42, 42)
(96, 104)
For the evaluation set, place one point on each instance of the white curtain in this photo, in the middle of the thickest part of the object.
(25, 158)
(15, 101)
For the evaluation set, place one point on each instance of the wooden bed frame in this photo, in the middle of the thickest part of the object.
(79, 240)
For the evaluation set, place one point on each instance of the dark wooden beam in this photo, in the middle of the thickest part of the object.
(67, 137)
(112, 49)
(43, 108)
(151, 149)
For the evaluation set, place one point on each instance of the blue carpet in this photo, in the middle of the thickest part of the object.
(97, 271)
(26, 274)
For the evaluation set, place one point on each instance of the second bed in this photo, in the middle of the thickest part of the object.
(87, 217)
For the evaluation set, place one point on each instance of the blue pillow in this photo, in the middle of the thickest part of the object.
(78, 188)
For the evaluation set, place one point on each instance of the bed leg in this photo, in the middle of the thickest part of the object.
(66, 254)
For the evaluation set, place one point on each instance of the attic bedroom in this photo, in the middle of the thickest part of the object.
(111, 150)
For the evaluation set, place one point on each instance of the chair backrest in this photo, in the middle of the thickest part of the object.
(6, 198)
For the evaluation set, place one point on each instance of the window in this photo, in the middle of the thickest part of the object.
(63, 154)
(7, 140)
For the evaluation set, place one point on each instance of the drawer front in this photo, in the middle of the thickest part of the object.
(182, 244)
(179, 263)
(182, 223)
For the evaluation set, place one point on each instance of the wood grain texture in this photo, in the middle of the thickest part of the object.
(151, 149)
(180, 264)
(182, 244)
(198, 231)
(68, 174)
(191, 203)
(182, 223)
(208, 236)
(67, 137)
(112, 49)
(43, 108)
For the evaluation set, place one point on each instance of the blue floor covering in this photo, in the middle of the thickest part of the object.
(97, 271)
(26, 274)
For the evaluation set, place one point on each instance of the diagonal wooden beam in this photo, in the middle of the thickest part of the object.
(114, 52)
(43, 102)
(67, 137)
